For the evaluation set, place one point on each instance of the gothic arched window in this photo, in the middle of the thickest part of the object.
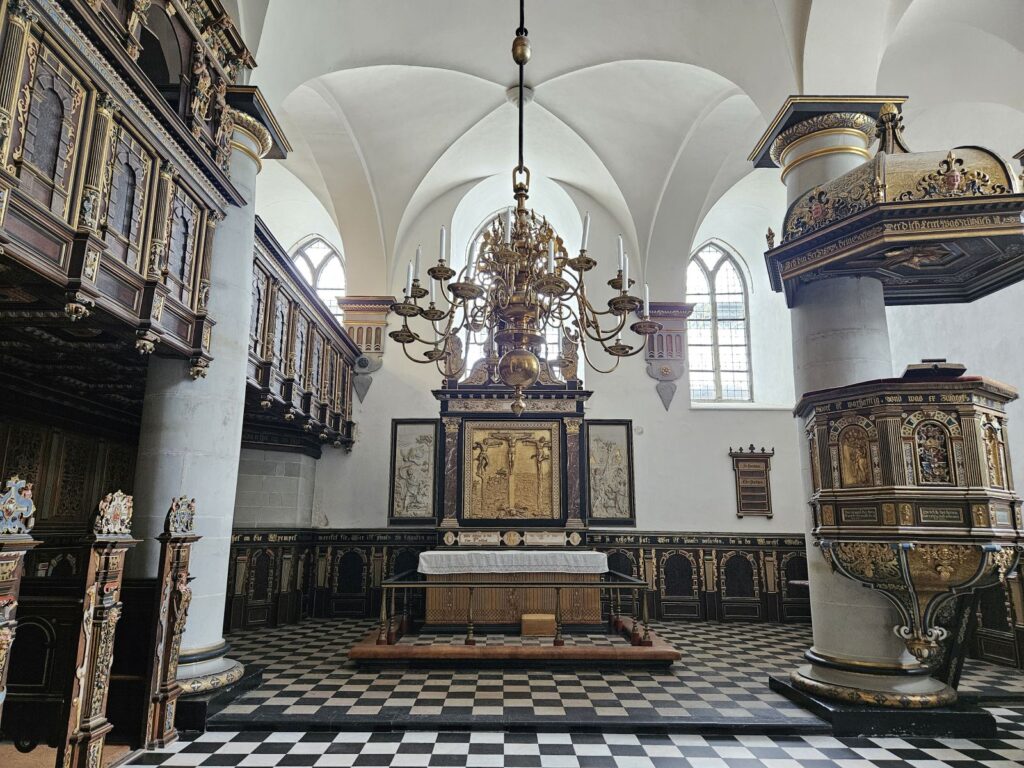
(718, 337)
(323, 268)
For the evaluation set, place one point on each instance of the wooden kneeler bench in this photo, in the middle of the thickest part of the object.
(537, 625)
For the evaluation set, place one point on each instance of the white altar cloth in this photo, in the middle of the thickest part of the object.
(512, 561)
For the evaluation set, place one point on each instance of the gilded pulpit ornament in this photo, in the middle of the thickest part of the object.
(870, 221)
(201, 85)
(521, 283)
(954, 179)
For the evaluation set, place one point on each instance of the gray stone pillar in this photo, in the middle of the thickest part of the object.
(840, 337)
(191, 433)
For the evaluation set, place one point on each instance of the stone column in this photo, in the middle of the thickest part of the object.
(840, 337)
(190, 439)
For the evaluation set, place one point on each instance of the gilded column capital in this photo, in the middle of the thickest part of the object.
(855, 123)
(20, 9)
(252, 128)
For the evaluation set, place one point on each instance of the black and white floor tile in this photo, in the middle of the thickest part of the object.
(722, 680)
(308, 682)
(502, 749)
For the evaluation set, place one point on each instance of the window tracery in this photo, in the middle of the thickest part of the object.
(718, 337)
(322, 266)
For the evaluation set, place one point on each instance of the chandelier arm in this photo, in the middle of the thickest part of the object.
(586, 358)
(415, 360)
(600, 337)
(421, 339)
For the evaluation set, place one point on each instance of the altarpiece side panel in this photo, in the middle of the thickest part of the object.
(414, 446)
(610, 472)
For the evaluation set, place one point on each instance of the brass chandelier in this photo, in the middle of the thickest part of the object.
(520, 283)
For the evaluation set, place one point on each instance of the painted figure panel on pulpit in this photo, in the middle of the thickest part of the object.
(512, 470)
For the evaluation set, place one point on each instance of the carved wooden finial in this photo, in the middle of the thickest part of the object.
(113, 516)
(181, 517)
(889, 130)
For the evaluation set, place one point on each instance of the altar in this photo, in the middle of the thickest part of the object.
(499, 584)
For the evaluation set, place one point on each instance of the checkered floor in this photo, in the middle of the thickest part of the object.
(308, 683)
(722, 680)
(497, 749)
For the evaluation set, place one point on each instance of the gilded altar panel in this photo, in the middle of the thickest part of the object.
(512, 470)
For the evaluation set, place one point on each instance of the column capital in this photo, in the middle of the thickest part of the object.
(250, 128)
(818, 113)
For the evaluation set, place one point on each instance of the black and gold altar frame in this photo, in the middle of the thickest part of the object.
(620, 484)
(397, 515)
(480, 399)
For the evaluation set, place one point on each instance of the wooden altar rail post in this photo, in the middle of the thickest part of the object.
(634, 632)
(172, 600)
(470, 640)
(16, 521)
(559, 640)
(639, 631)
(87, 725)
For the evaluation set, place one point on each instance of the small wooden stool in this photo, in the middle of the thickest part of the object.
(538, 625)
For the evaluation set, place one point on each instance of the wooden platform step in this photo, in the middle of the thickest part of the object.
(658, 654)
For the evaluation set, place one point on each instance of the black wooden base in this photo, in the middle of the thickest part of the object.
(966, 721)
(193, 712)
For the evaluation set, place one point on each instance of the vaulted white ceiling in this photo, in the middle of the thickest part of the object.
(647, 106)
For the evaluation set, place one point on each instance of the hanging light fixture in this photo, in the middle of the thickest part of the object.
(520, 283)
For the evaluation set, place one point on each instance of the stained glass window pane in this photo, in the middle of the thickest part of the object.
(710, 256)
(317, 251)
(696, 284)
(735, 386)
(304, 269)
(701, 358)
(717, 340)
(702, 385)
(727, 280)
(321, 266)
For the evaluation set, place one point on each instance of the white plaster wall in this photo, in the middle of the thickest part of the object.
(739, 220)
(291, 210)
(684, 478)
(275, 489)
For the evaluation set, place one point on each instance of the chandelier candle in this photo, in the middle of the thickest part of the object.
(517, 287)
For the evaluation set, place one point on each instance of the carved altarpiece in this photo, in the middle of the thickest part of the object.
(521, 472)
